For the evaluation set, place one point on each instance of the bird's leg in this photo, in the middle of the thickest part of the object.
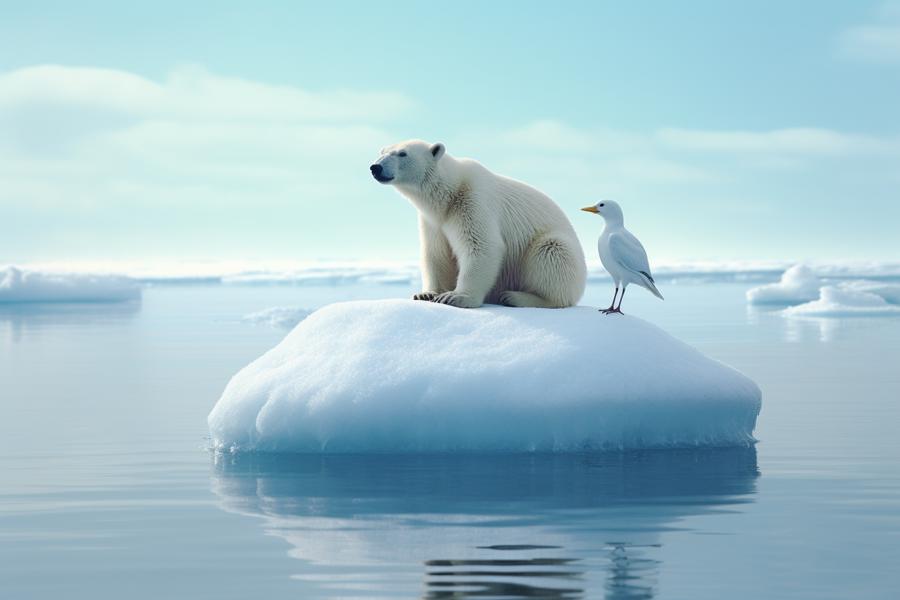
(606, 311)
(618, 309)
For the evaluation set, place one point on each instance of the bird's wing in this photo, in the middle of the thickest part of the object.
(628, 251)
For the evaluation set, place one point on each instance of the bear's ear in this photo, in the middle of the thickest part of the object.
(437, 150)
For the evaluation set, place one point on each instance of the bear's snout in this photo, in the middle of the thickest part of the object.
(378, 173)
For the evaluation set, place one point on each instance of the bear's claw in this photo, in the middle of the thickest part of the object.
(428, 296)
(456, 299)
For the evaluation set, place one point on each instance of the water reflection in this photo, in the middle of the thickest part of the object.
(17, 320)
(800, 329)
(510, 526)
(796, 329)
(502, 578)
(632, 574)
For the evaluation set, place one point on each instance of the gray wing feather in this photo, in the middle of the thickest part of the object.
(629, 252)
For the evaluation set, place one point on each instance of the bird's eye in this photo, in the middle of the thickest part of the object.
(402, 153)
(601, 205)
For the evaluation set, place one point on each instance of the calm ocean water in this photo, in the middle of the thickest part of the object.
(107, 490)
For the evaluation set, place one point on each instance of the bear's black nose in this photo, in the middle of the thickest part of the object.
(376, 170)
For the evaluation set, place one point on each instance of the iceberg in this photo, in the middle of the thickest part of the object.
(797, 284)
(405, 376)
(18, 285)
(889, 291)
(800, 286)
(843, 301)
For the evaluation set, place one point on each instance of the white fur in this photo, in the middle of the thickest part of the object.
(484, 237)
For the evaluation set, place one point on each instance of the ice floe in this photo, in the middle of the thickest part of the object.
(398, 375)
(841, 301)
(279, 317)
(797, 284)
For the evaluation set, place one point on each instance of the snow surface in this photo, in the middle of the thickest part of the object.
(18, 285)
(398, 375)
(279, 317)
(842, 301)
(797, 284)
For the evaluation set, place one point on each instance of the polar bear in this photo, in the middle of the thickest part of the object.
(484, 237)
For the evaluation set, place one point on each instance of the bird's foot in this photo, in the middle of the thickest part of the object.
(612, 311)
(606, 311)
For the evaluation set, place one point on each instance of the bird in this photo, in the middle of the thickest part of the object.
(621, 253)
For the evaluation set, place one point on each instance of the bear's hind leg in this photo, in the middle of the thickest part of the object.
(553, 275)
(523, 300)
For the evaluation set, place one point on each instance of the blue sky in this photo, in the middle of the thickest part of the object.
(761, 131)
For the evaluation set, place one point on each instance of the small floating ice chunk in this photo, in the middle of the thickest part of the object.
(798, 284)
(835, 301)
(889, 291)
(18, 285)
(279, 317)
(397, 375)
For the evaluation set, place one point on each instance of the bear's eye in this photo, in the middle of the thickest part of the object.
(402, 153)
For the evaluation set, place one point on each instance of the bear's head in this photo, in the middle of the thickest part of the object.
(406, 163)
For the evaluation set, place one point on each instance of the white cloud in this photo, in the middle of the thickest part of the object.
(191, 92)
(557, 151)
(97, 153)
(550, 146)
(878, 41)
(793, 141)
(50, 85)
(548, 135)
(660, 169)
(86, 135)
(890, 9)
(551, 136)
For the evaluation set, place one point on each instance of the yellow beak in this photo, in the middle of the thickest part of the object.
(592, 209)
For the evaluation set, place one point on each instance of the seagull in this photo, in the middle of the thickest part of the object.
(621, 253)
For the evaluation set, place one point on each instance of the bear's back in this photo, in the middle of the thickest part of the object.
(522, 204)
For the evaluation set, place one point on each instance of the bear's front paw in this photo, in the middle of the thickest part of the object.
(457, 299)
(428, 296)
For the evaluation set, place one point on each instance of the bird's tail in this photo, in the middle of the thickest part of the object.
(651, 285)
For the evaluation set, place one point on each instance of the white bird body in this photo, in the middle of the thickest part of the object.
(624, 257)
(621, 253)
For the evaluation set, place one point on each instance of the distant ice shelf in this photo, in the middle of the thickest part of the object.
(406, 273)
(20, 286)
(404, 376)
